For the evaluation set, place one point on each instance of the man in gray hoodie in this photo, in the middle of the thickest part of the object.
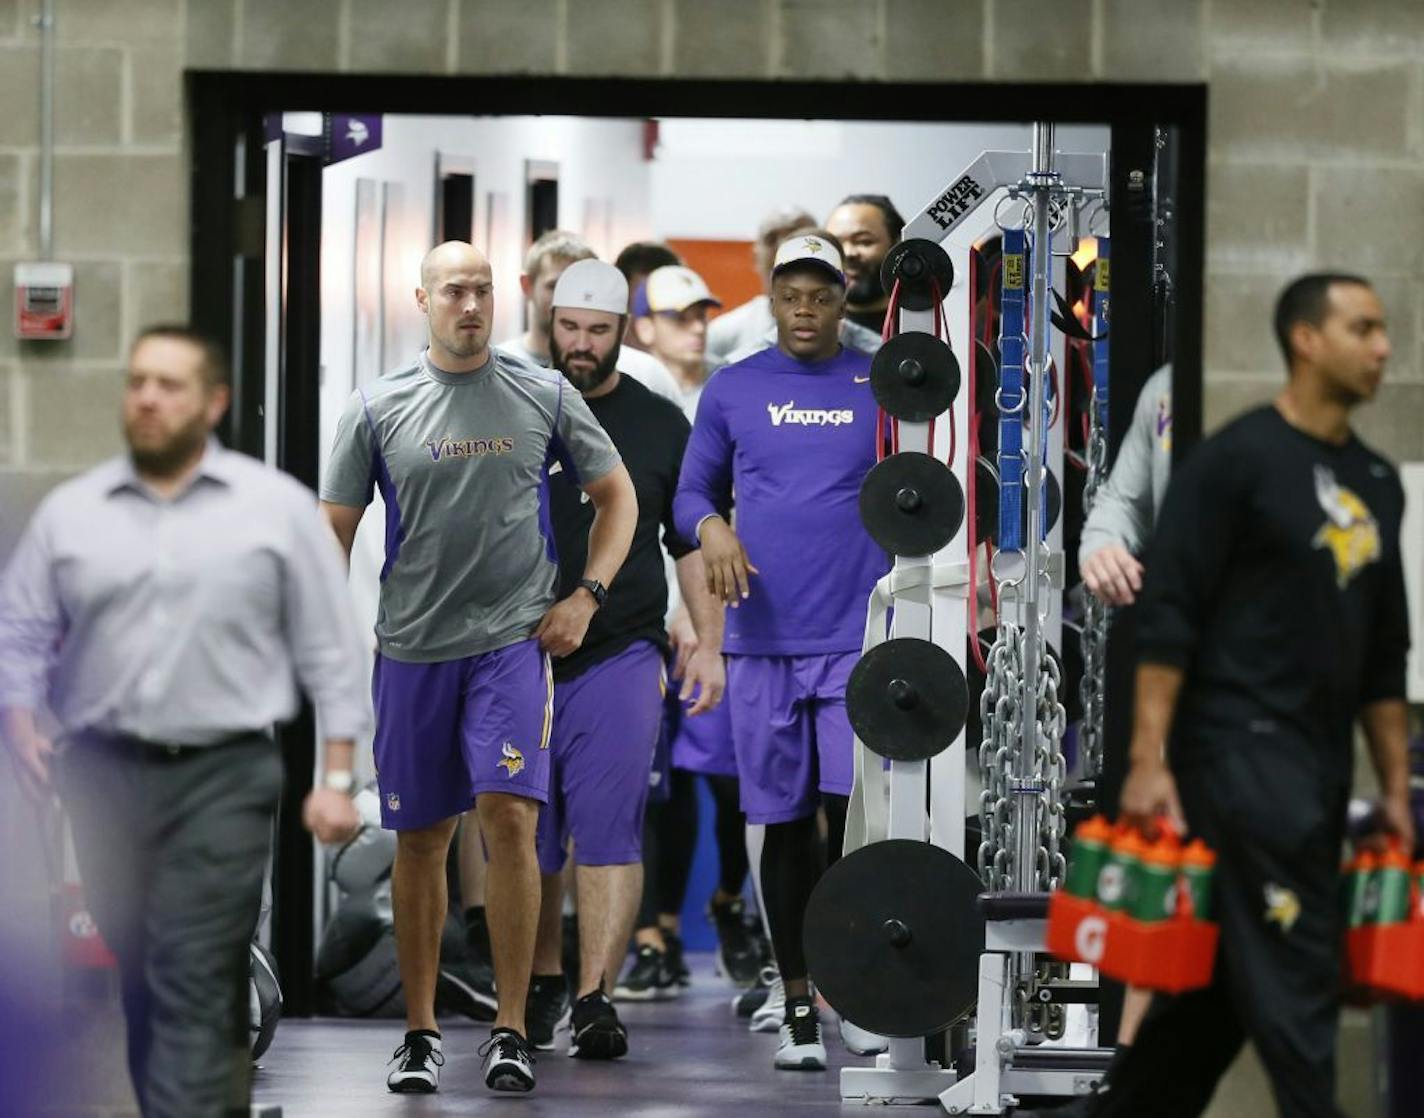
(1122, 518)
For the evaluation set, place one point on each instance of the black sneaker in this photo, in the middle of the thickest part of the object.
(597, 1032)
(647, 979)
(472, 983)
(509, 1064)
(418, 1062)
(466, 989)
(546, 1010)
(680, 976)
(738, 953)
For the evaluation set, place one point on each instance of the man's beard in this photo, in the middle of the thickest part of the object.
(583, 381)
(170, 456)
(865, 289)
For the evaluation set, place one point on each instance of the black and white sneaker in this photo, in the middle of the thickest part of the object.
(738, 952)
(469, 984)
(647, 979)
(680, 977)
(801, 1047)
(768, 1017)
(754, 996)
(418, 1063)
(509, 1063)
(546, 1010)
(597, 1032)
(466, 989)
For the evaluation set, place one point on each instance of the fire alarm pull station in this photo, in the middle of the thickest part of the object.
(44, 301)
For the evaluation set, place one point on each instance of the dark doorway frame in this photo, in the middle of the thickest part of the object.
(226, 111)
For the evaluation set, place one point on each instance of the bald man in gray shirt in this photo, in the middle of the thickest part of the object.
(168, 604)
(461, 443)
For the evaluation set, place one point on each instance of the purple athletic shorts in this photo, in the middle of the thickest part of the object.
(792, 736)
(702, 744)
(447, 731)
(606, 723)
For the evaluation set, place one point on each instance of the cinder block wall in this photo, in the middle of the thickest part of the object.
(1317, 159)
(1317, 144)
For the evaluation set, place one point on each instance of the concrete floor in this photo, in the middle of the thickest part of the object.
(689, 1058)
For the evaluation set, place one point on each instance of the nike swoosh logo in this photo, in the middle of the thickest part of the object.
(861, 380)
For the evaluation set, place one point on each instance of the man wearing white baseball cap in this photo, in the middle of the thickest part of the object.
(543, 266)
(793, 430)
(608, 692)
(751, 327)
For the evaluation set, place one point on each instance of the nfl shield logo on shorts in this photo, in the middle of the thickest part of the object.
(392, 801)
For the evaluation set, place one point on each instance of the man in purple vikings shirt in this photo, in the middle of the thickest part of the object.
(792, 430)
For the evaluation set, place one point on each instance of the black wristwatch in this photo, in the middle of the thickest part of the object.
(596, 588)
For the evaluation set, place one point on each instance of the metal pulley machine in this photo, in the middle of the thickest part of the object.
(898, 937)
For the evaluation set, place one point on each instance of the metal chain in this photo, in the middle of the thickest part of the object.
(1052, 819)
(1095, 614)
(999, 714)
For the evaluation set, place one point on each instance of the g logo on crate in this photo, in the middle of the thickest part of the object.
(1111, 883)
(1090, 938)
(82, 926)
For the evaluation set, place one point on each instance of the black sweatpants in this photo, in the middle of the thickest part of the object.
(171, 851)
(1273, 811)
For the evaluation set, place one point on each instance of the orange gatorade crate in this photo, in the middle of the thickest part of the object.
(1135, 909)
(1384, 945)
(1170, 956)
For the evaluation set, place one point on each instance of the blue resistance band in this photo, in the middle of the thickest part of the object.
(1011, 391)
(1102, 301)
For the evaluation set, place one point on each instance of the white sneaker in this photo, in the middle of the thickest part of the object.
(418, 1072)
(768, 1018)
(860, 1041)
(801, 1048)
(509, 1064)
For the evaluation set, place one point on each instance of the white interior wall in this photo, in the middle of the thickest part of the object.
(716, 179)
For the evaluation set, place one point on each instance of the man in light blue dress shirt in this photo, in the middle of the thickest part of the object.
(166, 607)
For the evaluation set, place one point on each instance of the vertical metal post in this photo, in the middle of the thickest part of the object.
(1025, 771)
(46, 25)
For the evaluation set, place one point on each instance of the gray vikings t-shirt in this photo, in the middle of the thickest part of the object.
(462, 462)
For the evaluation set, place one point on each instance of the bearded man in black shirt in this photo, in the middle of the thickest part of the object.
(1273, 618)
(608, 693)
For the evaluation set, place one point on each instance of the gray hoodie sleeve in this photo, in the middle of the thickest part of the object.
(1126, 506)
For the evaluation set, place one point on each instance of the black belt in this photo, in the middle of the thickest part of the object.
(151, 750)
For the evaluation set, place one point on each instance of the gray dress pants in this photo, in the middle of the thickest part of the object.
(172, 845)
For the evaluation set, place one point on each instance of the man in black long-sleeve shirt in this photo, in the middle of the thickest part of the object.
(1273, 617)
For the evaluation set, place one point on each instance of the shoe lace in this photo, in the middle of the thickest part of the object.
(805, 1028)
(511, 1046)
(413, 1053)
(769, 976)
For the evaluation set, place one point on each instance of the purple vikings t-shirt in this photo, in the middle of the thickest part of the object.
(795, 440)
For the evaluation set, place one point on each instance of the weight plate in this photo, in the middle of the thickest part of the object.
(914, 376)
(893, 938)
(911, 504)
(907, 699)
